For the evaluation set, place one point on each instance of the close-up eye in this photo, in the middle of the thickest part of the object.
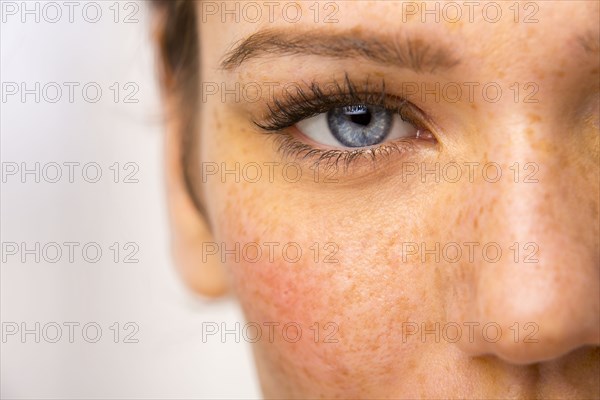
(356, 126)
(341, 120)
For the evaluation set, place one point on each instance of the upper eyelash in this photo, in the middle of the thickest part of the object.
(303, 103)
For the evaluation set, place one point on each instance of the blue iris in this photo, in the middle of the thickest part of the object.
(359, 125)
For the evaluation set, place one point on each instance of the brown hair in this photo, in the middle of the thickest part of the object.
(179, 52)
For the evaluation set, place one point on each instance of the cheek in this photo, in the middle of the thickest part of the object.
(325, 271)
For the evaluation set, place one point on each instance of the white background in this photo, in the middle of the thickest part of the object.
(170, 359)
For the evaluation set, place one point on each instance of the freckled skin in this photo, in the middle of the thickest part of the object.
(371, 292)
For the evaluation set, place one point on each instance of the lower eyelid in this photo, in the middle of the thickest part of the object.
(340, 160)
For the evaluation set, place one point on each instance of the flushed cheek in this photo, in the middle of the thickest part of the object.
(345, 334)
(335, 312)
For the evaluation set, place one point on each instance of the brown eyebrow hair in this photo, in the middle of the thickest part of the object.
(414, 53)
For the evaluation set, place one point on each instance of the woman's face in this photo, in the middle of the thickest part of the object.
(438, 169)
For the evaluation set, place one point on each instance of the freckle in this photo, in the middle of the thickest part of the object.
(534, 118)
(357, 30)
(560, 73)
(544, 145)
(437, 281)
(476, 222)
(500, 74)
(454, 25)
(473, 106)
(539, 73)
(459, 218)
(546, 197)
(529, 132)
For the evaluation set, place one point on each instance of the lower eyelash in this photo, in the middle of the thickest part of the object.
(330, 159)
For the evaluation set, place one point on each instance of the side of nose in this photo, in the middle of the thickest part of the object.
(541, 298)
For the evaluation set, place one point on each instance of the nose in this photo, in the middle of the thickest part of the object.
(541, 298)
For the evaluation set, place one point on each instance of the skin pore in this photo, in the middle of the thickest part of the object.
(371, 209)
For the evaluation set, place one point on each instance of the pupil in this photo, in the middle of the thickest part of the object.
(363, 118)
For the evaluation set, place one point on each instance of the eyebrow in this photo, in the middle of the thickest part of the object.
(407, 52)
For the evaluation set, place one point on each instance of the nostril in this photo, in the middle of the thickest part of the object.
(524, 343)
